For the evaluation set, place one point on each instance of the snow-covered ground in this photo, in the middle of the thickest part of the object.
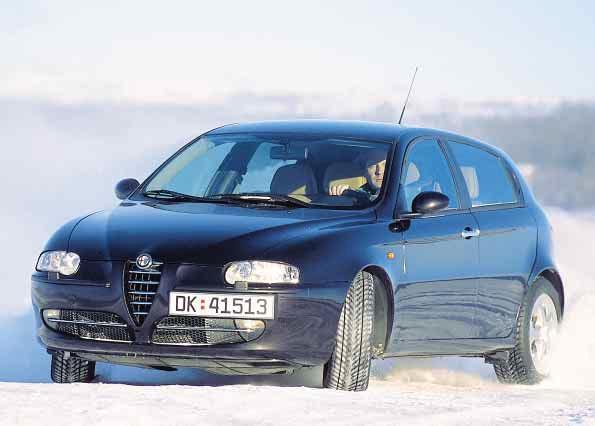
(383, 404)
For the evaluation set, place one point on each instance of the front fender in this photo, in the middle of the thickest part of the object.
(337, 254)
(61, 238)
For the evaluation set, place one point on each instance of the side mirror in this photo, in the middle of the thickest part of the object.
(126, 187)
(429, 202)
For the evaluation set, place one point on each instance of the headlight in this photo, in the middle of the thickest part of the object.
(59, 261)
(262, 273)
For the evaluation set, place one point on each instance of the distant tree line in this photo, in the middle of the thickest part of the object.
(560, 144)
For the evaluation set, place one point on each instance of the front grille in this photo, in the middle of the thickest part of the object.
(140, 287)
(178, 330)
(92, 325)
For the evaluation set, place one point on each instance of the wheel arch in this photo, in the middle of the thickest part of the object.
(553, 277)
(384, 306)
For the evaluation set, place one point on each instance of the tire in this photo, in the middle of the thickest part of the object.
(348, 368)
(520, 367)
(71, 369)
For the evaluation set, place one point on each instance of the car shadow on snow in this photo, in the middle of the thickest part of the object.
(107, 373)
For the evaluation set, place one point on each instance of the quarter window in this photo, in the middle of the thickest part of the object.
(426, 169)
(487, 179)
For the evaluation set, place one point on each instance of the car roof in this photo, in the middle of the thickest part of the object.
(388, 132)
(371, 130)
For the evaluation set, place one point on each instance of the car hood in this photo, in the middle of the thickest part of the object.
(196, 232)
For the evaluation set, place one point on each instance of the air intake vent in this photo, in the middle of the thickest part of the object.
(90, 325)
(140, 286)
(189, 331)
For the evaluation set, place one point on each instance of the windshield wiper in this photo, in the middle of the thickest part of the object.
(244, 198)
(166, 194)
(261, 198)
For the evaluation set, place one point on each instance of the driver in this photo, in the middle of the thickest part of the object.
(374, 163)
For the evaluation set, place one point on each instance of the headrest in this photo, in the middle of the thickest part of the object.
(344, 174)
(294, 179)
(412, 174)
(470, 175)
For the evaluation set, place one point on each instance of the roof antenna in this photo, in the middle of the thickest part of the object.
(409, 93)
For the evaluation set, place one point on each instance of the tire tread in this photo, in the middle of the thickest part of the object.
(518, 368)
(349, 367)
(71, 369)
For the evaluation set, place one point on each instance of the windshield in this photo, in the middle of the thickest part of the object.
(319, 172)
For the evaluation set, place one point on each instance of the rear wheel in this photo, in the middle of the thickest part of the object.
(69, 369)
(349, 366)
(537, 326)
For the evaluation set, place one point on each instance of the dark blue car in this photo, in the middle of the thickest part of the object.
(269, 247)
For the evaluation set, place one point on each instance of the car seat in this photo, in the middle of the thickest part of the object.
(295, 179)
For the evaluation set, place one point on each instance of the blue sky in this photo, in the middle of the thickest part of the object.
(188, 51)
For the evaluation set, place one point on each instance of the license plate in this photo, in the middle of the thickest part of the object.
(222, 305)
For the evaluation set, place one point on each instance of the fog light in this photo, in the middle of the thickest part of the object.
(249, 329)
(49, 315)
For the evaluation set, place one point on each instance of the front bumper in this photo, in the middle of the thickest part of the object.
(302, 334)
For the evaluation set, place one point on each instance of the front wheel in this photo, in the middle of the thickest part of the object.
(349, 366)
(69, 369)
(537, 327)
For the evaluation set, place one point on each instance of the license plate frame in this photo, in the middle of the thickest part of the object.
(222, 305)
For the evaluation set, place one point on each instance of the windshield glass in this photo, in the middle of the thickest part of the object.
(323, 172)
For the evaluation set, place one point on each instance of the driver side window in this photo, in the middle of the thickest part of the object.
(426, 169)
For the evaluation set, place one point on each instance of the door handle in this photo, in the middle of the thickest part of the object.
(469, 232)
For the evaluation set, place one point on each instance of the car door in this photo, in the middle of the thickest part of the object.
(508, 236)
(436, 298)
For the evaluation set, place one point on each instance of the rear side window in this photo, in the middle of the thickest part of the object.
(488, 181)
